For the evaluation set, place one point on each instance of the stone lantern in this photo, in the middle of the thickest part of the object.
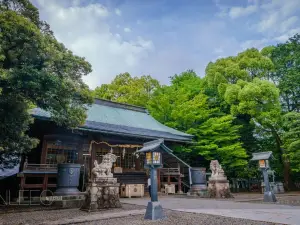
(153, 160)
(263, 162)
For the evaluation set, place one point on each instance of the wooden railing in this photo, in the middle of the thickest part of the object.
(170, 171)
(40, 167)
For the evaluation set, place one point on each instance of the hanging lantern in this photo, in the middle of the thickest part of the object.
(111, 150)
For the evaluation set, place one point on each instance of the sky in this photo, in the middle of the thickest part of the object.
(165, 37)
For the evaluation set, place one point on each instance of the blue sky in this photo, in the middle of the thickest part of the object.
(165, 37)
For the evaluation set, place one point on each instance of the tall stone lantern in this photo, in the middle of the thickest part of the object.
(263, 162)
(153, 160)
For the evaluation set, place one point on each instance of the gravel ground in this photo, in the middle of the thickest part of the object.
(181, 218)
(39, 216)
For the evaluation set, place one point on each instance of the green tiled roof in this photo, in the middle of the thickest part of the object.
(106, 116)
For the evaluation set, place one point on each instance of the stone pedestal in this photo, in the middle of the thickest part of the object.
(199, 190)
(154, 211)
(102, 193)
(219, 188)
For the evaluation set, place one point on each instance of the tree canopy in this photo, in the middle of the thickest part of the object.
(35, 70)
(127, 89)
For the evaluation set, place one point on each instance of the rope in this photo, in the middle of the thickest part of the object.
(112, 146)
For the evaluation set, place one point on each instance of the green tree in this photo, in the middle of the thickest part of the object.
(218, 138)
(252, 92)
(286, 76)
(127, 89)
(35, 70)
(291, 139)
(185, 106)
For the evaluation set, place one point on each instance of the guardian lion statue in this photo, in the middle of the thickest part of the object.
(104, 168)
(216, 169)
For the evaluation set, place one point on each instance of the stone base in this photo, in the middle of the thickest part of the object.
(104, 180)
(101, 196)
(219, 188)
(269, 197)
(67, 191)
(70, 201)
(154, 211)
(199, 190)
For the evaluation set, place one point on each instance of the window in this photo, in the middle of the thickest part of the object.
(61, 152)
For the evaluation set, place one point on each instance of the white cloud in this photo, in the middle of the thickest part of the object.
(269, 22)
(236, 12)
(288, 23)
(86, 31)
(259, 44)
(127, 29)
(277, 17)
(118, 12)
(286, 36)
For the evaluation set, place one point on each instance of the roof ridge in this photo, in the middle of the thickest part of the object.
(99, 101)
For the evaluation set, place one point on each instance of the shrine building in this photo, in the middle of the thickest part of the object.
(110, 126)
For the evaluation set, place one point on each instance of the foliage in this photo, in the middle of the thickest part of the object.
(127, 89)
(291, 139)
(218, 139)
(36, 70)
(245, 66)
(185, 106)
(259, 99)
(286, 58)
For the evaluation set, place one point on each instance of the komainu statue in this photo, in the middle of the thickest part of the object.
(216, 169)
(104, 168)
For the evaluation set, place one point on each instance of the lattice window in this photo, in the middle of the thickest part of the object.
(129, 160)
(59, 152)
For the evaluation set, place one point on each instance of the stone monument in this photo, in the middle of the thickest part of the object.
(102, 190)
(218, 185)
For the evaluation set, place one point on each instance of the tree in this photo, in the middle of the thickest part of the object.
(218, 138)
(245, 66)
(286, 58)
(35, 70)
(125, 89)
(185, 106)
(252, 93)
(291, 139)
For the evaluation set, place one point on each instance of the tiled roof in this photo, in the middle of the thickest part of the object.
(128, 120)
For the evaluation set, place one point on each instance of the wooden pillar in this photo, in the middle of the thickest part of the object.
(44, 151)
(45, 184)
(137, 163)
(179, 185)
(169, 180)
